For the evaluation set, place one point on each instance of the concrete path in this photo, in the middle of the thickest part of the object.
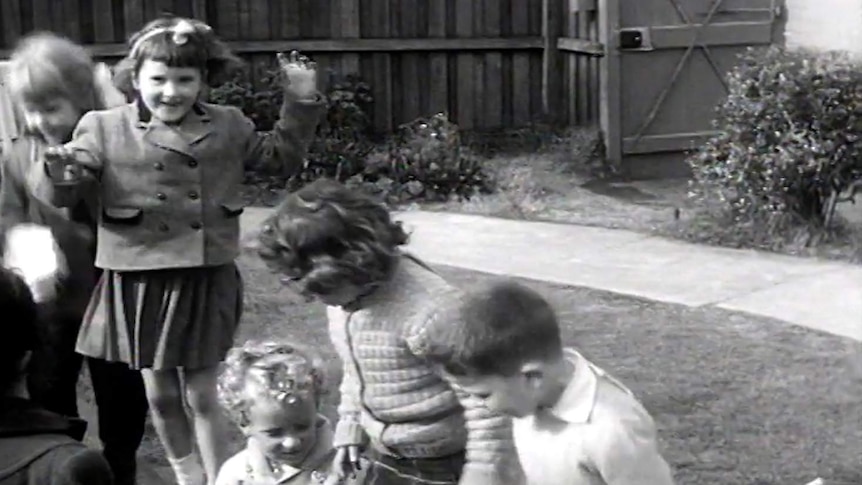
(823, 295)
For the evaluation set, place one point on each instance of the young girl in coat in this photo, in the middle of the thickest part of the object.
(169, 170)
(343, 249)
(53, 82)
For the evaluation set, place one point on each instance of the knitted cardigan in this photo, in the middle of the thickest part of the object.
(403, 404)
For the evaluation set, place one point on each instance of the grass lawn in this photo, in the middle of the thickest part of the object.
(738, 399)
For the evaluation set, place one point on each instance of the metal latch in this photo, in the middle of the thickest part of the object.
(635, 39)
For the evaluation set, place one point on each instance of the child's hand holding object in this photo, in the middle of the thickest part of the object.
(61, 165)
(32, 251)
(300, 74)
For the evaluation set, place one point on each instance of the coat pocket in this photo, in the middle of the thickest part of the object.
(233, 208)
(122, 215)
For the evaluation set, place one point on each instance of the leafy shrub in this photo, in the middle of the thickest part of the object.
(261, 104)
(424, 160)
(343, 138)
(790, 141)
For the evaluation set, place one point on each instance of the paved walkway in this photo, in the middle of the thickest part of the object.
(823, 295)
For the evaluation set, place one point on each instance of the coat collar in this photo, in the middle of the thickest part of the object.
(181, 138)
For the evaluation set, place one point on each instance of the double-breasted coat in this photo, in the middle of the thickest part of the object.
(170, 197)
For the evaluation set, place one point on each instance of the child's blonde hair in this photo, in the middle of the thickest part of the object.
(45, 66)
(282, 371)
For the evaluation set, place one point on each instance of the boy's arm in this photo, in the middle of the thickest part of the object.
(283, 150)
(626, 452)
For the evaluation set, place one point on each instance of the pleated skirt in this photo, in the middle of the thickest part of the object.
(163, 319)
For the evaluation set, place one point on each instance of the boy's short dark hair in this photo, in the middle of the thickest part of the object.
(19, 321)
(499, 327)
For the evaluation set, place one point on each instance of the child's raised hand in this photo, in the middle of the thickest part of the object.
(300, 74)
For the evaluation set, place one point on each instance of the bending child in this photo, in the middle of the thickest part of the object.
(508, 353)
(342, 248)
(272, 392)
(53, 82)
(168, 170)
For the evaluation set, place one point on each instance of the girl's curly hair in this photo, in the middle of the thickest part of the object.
(326, 235)
(199, 49)
(282, 371)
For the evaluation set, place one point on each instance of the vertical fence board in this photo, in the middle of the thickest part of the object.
(520, 14)
(407, 25)
(133, 16)
(438, 70)
(258, 17)
(465, 62)
(290, 19)
(228, 19)
(593, 73)
(349, 21)
(492, 113)
(103, 21)
(482, 89)
(10, 10)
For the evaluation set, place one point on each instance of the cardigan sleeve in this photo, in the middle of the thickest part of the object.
(491, 458)
(348, 430)
(283, 150)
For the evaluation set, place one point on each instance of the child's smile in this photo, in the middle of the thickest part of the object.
(168, 92)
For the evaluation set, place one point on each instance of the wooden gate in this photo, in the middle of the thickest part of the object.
(664, 72)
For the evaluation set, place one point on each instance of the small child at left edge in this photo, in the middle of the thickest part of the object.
(272, 391)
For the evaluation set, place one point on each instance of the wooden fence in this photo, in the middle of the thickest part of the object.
(491, 64)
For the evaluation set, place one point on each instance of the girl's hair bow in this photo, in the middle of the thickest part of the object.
(181, 32)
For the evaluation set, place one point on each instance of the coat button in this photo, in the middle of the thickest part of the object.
(196, 225)
(193, 195)
(163, 227)
(193, 163)
(161, 196)
(159, 166)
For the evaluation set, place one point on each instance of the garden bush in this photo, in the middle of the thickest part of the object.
(424, 159)
(790, 142)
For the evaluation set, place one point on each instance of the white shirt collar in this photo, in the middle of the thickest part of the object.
(578, 399)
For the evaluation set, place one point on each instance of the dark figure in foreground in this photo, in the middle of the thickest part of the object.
(37, 446)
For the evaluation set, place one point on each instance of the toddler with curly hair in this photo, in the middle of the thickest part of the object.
(272, 390)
